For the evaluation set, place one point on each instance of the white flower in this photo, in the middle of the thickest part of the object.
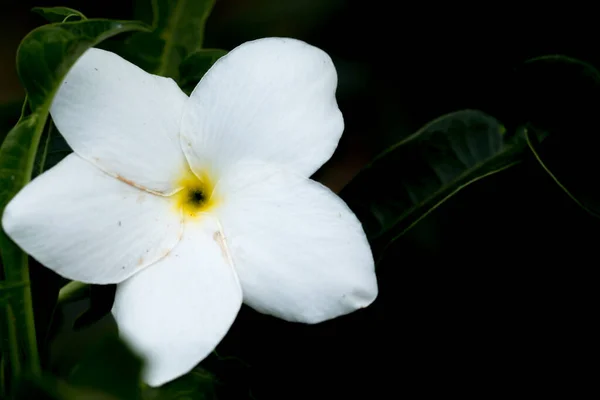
(193, 205)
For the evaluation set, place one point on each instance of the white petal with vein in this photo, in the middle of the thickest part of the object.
(88, 226)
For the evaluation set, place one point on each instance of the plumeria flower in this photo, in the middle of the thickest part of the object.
(193, 205)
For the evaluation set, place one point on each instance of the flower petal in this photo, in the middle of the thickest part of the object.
(175, 312)
(88, 226)
(299, 252)
(270, 99)
(124, 120)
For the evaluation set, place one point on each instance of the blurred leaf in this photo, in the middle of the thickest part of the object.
(178, 32)
(111, 368)
(101, 301)
(193, 68)
(412, 178)
(109, 371)
(47, 387)
(561, 96)
(59, 14)
(142, 11)
(43, 58)
(198, 384)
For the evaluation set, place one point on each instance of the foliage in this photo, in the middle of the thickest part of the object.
(395, 192)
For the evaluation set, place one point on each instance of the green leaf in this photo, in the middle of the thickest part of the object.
(561, 97)
(43, 58)
(101, 301)
(111, 368)
(48, 387)
(178, 32)
(180, 24)
(59, 14)
(559, 94)
(588, 203)
(108, 371)
(193, 68)
(413, 177)
(53, 148)
(198, 384)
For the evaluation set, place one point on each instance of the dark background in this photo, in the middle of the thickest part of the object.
(493, 293)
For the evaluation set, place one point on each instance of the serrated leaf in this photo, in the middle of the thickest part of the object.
(409, 180)
(43, 58)
(59, 14)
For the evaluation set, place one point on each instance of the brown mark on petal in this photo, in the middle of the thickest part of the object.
(218, 237)
(165, 253)
(140, 261)
(125, 180)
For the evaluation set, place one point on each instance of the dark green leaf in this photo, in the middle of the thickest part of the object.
(584, 196)
(193, 68)
(409, 180)
(101, 302)
(43, 58)
(59, 14)
(47, 387)
(198, 384)
(47, 53)
(53, 148)
(111, 368)
(181, 25)
(561, 97)
(178, 32)
(558, 94)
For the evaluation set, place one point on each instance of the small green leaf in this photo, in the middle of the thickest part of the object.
(193, 68)
(43, 58)
(412, 178)
(59, 14)
(178, 32)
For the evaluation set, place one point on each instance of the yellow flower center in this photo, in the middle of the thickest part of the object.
(196, 196)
